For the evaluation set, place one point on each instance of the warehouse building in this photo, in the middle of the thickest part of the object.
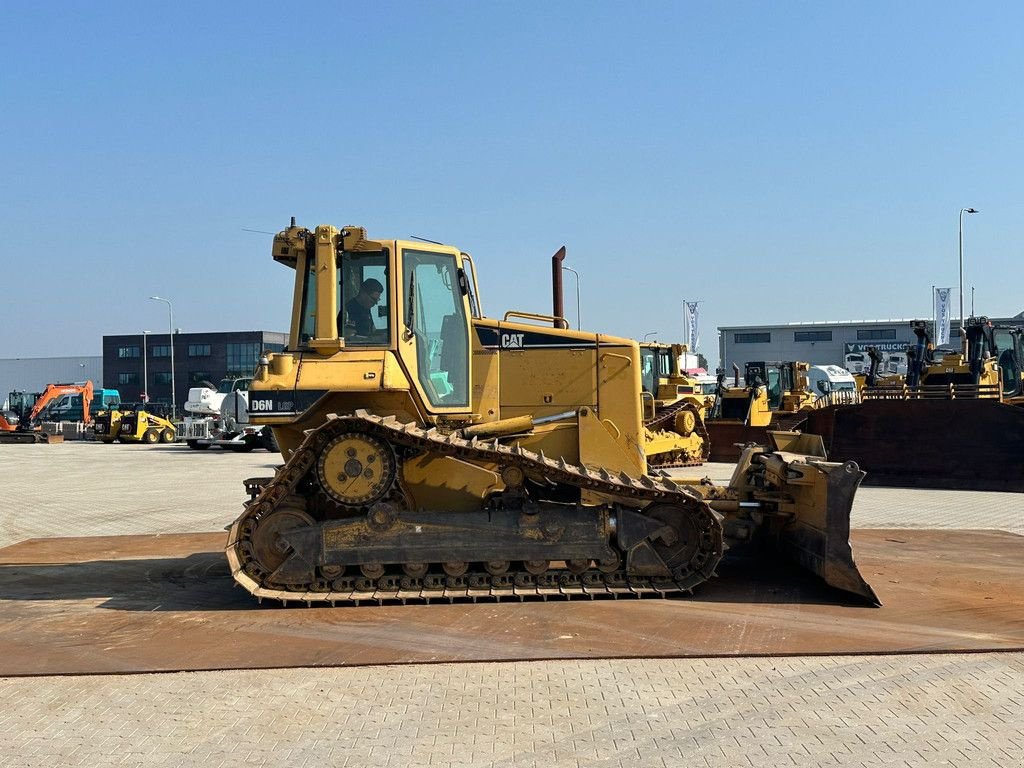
(32, 374)
(141, 363)
(842, 343)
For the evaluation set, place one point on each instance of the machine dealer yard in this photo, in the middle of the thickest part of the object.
(125, 580)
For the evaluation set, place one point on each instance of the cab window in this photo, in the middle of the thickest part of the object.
(665, 361)
(307, 322)
(774, 388)
(647, 370)
(363, 318)
(435, 315)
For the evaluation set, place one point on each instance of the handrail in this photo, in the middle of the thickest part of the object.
(934, 392)
(629, 360)
(476, 288)
(558, 322)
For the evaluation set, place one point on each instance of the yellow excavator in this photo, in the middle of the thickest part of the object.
(432, 452)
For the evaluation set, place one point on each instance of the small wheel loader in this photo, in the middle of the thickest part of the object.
(432, 452)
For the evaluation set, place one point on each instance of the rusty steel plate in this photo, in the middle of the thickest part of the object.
(165, 603)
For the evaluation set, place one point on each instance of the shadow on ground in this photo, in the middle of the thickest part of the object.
(202, 582)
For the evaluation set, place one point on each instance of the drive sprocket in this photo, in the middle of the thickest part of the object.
(357, 469)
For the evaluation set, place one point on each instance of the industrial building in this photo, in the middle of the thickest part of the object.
(824, 343)
(32, 374)
(141, 363)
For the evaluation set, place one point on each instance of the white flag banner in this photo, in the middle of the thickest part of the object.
(691, 310)
(943, 301)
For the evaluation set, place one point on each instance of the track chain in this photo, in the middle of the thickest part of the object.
(269, 493)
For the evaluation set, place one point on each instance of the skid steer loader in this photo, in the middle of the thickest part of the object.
(433, 452)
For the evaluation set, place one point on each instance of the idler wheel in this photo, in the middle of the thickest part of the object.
(269, 550)
(356, 469)
(694, 546)
(685, 422)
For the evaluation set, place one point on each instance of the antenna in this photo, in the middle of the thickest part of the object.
(425, 240)
(260, 231)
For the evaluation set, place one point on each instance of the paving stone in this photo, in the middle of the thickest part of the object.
(959, 710)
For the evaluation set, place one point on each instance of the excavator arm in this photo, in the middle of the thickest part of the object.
(53, 391)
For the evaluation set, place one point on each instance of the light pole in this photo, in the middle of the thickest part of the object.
(963, 330)
(579, 323)
(650, 333)
(170, 335)
(145, 371)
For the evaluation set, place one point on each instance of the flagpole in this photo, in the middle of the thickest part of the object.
(935, 326)
(686, 326)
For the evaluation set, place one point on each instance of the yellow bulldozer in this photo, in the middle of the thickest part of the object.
(432, 452)
(674, 409)
(953, 422)
(773, 396)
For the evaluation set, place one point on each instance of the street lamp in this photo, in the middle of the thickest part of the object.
(650, 333)
(963, 330)
(170, 333)
(579, 323)
(145, 372)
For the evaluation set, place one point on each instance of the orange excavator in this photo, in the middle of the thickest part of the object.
(13, 430)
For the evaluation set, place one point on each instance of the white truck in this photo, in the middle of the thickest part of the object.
(221, 417)
(832, 385)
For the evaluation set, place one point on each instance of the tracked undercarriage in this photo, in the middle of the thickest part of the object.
(679, 418)
(336, 524)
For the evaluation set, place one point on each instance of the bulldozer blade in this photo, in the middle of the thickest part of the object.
(818, 537)
(950, 444)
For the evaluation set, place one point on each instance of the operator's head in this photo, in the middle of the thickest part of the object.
(370, 292)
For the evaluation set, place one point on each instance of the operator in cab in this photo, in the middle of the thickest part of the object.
(356, 319)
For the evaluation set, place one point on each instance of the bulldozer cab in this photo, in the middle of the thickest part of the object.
(1009, 350)
(410, 299)
(776, 377)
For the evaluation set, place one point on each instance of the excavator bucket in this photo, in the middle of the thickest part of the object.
(801, 504)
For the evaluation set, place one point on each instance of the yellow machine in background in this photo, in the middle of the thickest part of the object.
(952, 423)
(773, 396)
(140, 427)
(674, 409)
(107, 425)
(976, 371)
(435, 452)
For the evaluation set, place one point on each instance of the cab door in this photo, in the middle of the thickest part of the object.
(434, 341)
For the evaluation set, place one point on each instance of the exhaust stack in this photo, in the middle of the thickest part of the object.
(557, 303)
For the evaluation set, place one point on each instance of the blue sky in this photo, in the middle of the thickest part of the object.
(780, 162)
